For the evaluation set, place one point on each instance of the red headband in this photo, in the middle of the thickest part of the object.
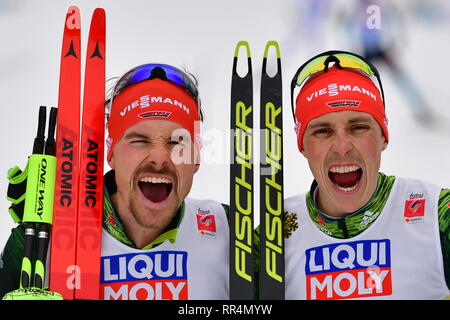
(154, 99)
(338, 90)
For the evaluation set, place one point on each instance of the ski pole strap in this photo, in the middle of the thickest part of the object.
(16, 211)
(17, 184)
(32, 190)
(16, 192)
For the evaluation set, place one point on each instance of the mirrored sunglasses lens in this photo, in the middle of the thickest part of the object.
(345, 60)
(311, 68)
(174, 75)
(349, 61)
(133, 76)
(182, 79)
(144, 72)
(140, 74)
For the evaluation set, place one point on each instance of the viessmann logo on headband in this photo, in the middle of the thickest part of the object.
(333, 89)
(145, 101)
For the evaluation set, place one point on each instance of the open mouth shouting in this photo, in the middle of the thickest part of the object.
(346, 178)
(155, 189)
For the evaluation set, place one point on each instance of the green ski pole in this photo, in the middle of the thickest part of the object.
(45, 227)
(38, 201)
(30, 228)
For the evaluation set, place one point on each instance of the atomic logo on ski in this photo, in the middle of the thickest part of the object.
(71, 51)
(97, 52)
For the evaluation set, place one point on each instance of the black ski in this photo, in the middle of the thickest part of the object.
(241, 182)
(271, 274)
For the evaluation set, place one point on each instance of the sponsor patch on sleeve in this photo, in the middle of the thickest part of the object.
(414, 207)
(206, 223)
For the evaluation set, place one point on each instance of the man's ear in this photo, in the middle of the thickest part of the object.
(384, 146)
(111, 162)
(197, 152)
(303, 152)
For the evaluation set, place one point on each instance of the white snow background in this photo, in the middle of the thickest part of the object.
(201, 36)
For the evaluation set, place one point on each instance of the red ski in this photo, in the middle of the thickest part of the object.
(63, 242)
(90, 206)
(76, 240)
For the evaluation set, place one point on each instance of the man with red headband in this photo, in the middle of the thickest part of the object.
(157, 243)
(358, 233)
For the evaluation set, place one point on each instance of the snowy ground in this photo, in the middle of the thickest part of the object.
(201, 35)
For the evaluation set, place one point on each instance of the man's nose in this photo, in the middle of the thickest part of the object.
(158, 156)
(341, 143)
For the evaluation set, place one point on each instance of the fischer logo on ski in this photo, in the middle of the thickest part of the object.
(241, 182)
(271, 182)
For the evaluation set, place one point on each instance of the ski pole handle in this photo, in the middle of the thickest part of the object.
(43, 241)
(39, 196)
(38, 148)
(25, 274)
